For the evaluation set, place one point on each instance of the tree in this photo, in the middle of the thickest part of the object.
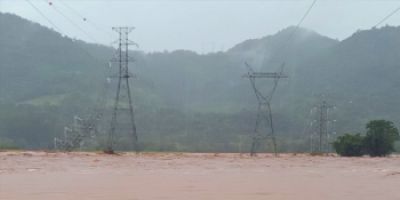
(380, 137)
(349, 145)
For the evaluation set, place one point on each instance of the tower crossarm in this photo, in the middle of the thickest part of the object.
(265, 75)
(116, 60)
(126, 75)
(263, 104)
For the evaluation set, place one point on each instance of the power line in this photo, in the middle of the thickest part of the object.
(59, 30)
(44, 16)
(81, 48)
(85, 19)
(387, 17)
(286, 42)
(71, 21)
(265, 102)
(302, 19)
(73, 10)
(51, 4)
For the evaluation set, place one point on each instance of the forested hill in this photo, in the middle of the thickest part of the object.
(37, 62)
(196, 102)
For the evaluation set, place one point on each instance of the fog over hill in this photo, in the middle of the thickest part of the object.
(196, 102)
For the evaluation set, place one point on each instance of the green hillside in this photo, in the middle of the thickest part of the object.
(191, 102)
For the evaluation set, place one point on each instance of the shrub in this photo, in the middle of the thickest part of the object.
(380, 138)
(349, 145)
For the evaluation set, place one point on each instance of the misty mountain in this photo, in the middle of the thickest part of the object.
(199, 100)
(359, 74)
(295, 44)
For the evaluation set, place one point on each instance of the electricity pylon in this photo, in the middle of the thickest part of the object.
(123, 88)
(264, 113)
(321, 129)
(74, 135)
(323, 110)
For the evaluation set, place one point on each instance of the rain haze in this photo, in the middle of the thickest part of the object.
(199, 99)
(203, 26)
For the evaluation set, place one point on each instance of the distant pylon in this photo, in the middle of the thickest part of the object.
(321, 133)
(122, 59)
(264, 113)
(75, 134)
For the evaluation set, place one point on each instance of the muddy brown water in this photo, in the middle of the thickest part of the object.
(185, 176)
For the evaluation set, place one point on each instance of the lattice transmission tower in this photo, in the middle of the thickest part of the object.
(264, 113)
(320, 137)
(123, 103)
(77, 133)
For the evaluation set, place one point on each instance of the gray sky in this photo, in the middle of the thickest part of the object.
(203, 26)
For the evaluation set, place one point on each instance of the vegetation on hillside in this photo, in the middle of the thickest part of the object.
(189, 101)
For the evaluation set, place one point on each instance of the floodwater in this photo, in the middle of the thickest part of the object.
(185, 176)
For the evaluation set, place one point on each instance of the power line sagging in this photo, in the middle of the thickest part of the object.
(44, 16)
(86, 19)
(53, 6)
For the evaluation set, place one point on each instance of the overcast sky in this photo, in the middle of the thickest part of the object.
(202, 26)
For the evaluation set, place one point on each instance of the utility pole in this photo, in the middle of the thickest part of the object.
(264, 113)
(123, 88)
